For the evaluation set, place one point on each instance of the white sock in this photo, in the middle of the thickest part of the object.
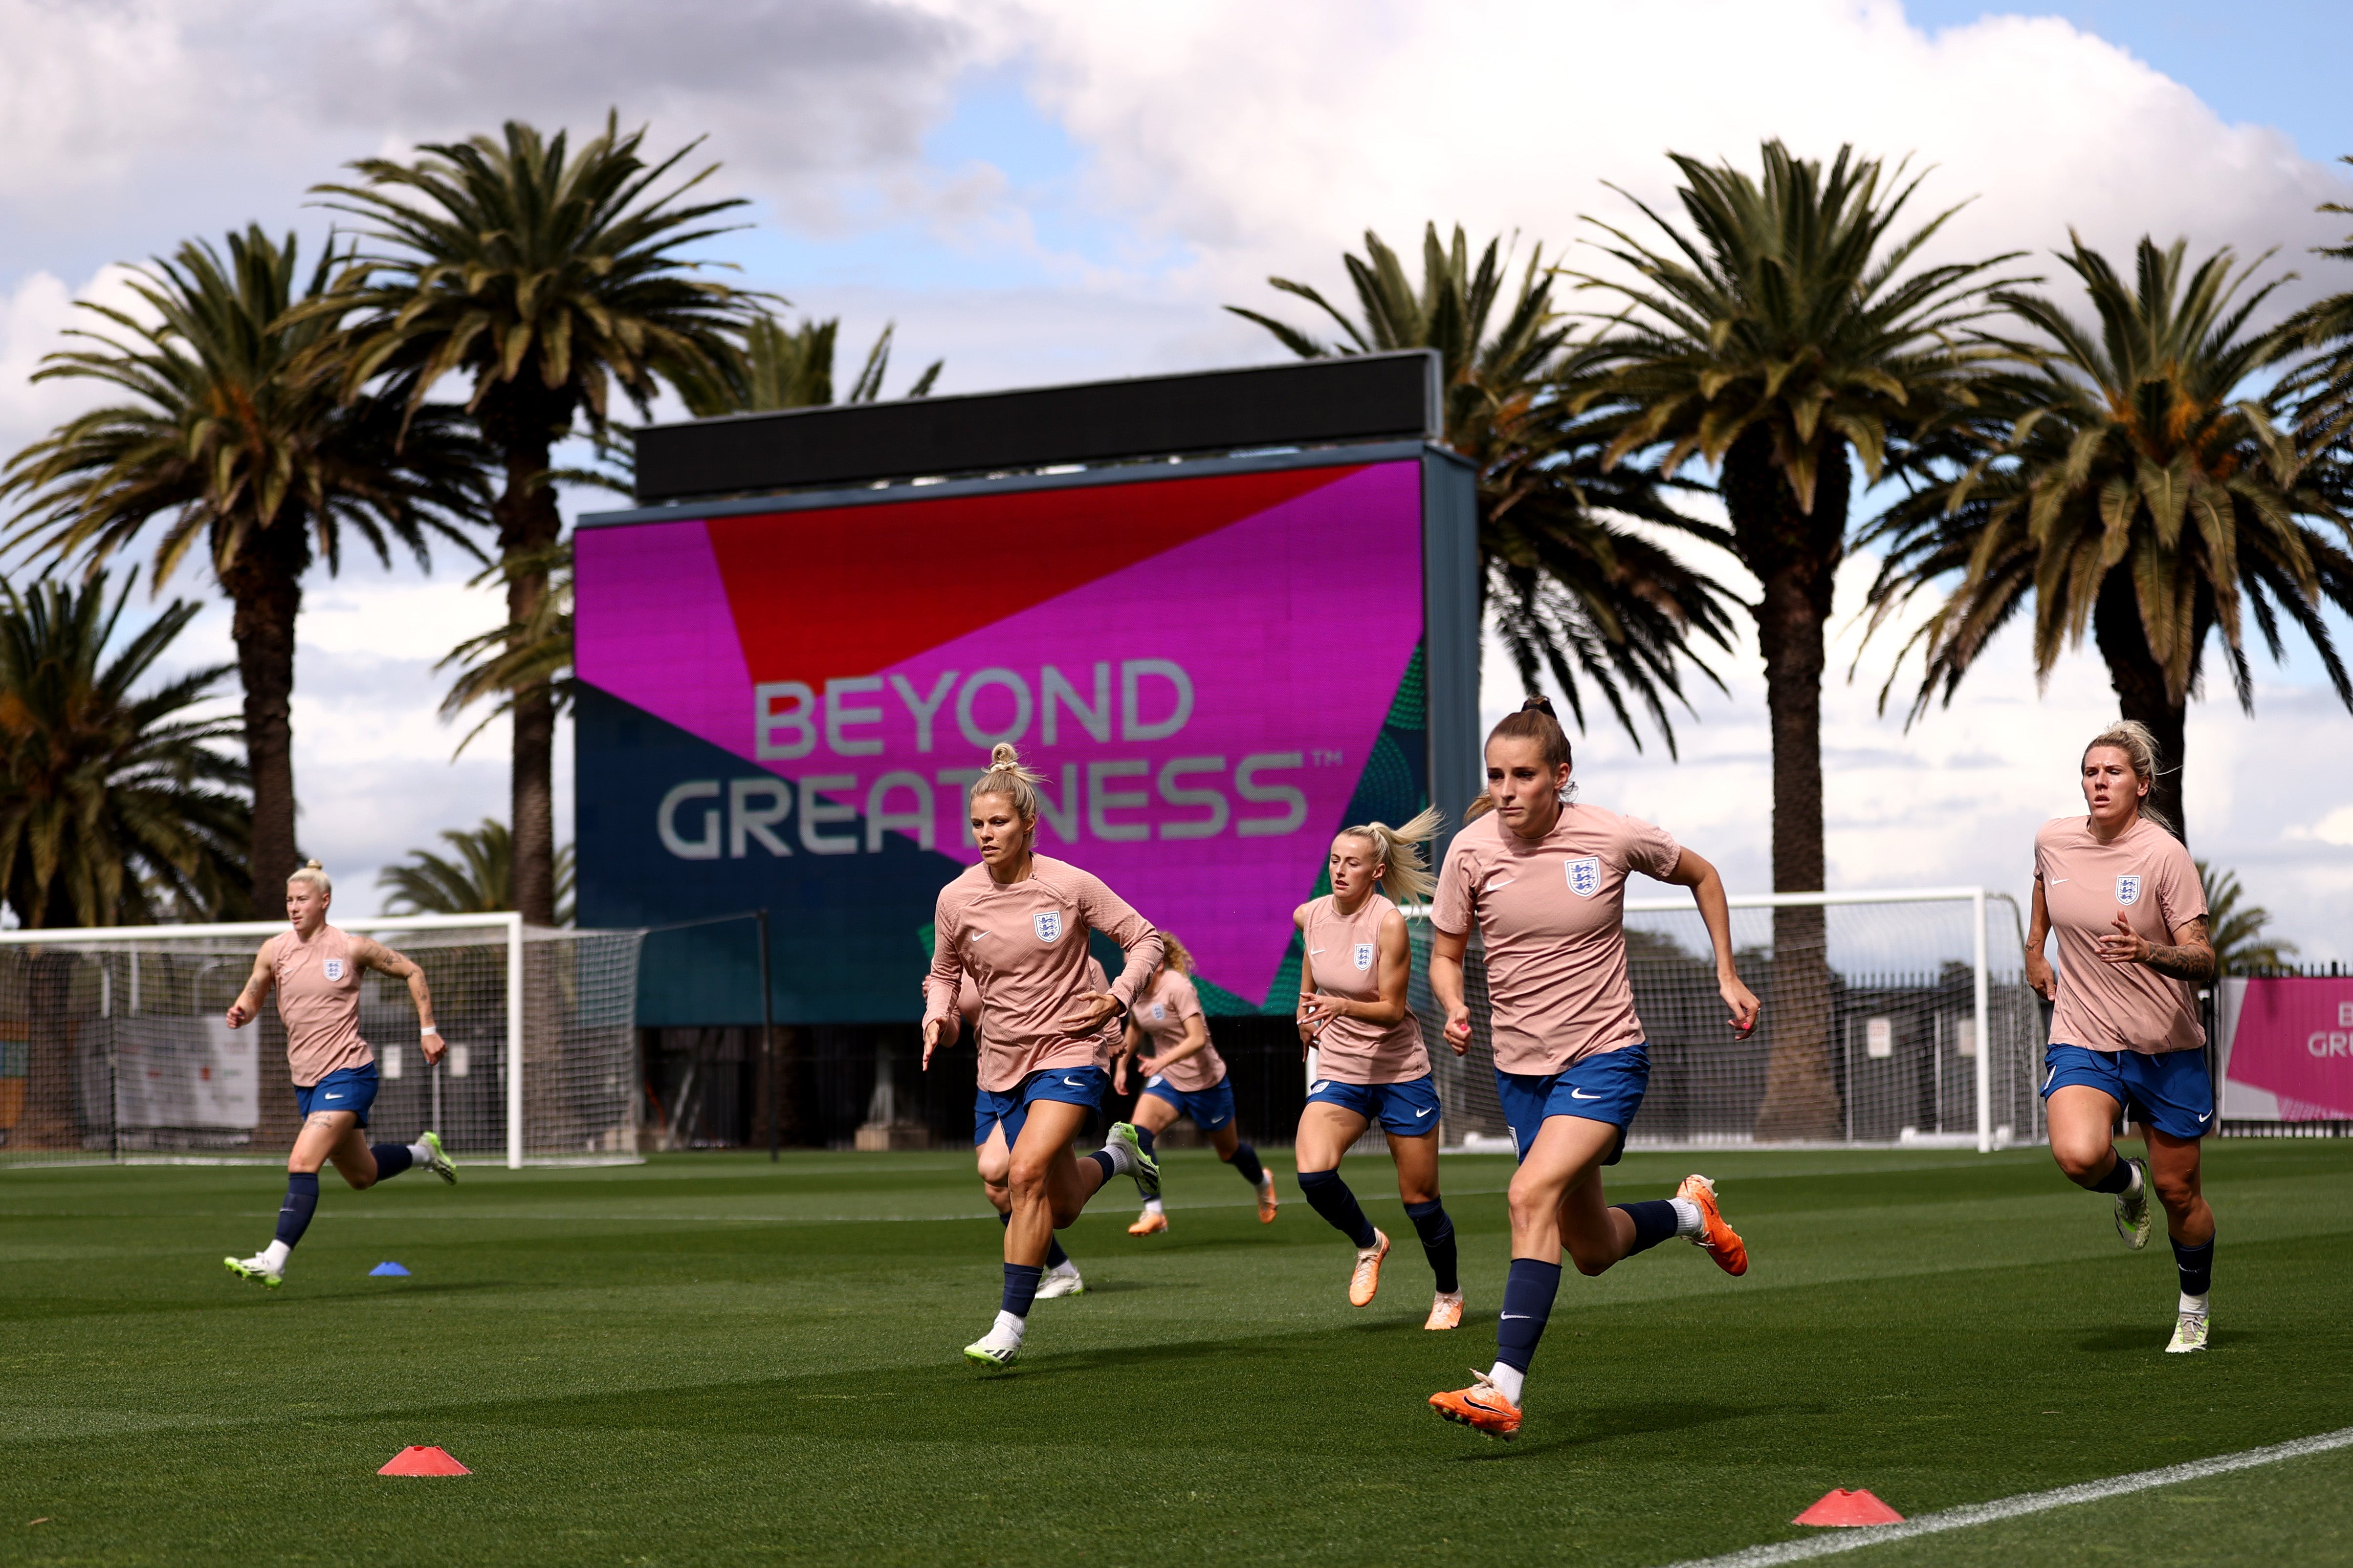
(1689, 1221)
(1507, 1381)
(1064, 1267)
(2194, 1304)
(1006, 1323)
(2133, 1190)
(421, 1153)
(274, 1256)
(1152, 1205)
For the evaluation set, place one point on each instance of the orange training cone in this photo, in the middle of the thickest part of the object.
(1842, 1507)
(421, 1460)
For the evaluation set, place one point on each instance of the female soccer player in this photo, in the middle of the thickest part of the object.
(1019, 923)
(1545, 877)
(1187, 1078)
(2125, 898)
(1369, 1060)
(315, 970)
(994, 1154)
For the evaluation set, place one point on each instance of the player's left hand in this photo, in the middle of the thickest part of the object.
(434, 1046)
(1318, 1011)
(1093, 1009)
(1743, 1004)
(2124, 945)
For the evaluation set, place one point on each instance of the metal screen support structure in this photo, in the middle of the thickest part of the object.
(768, 1043)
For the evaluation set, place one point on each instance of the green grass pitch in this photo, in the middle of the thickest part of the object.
(712, 1360)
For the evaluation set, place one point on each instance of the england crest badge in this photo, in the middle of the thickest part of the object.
(2128, 889)
(1049, 925)
(1362, 955)
(1585, 876)
(1160, 1012)
(334, 968)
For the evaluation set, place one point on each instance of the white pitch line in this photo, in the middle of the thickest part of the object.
(1856, 1539)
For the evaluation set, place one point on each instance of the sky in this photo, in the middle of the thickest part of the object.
(1039, 191)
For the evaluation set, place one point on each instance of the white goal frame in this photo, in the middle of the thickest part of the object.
(509, 921)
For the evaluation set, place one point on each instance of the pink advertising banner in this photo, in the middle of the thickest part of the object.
(2291, 1055)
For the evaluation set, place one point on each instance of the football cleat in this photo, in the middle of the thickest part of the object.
(1151, 1221)
(1715, 1239)
(439, 1164)
(1267, 1202)
(2137, 1217)
(995, 1348)
(1062, 1279)
(1481, 1405)
(1445, 1312)
(256, 1268)
(2188, 1334)
(1126, 1147)
(1365, 1282)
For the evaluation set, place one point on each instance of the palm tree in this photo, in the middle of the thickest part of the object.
(792, 368)
(479, 880)
(1780, 340)
(116, 806)
(2324, 382)
(2135, 480)
(552, 278)
(2240, 945)
(1573, 593)
(237, 450)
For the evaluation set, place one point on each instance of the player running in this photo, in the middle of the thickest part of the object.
(1019, 923)
(994, 1153)
(1545, 877)
(1187, 1078)
(2125, 898)
(315, 970)
(1369, 1058)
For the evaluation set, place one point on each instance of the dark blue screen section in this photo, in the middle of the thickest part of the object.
(844, 928)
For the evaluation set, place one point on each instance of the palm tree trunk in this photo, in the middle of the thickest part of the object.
(528, 520)
(264, 581)
(2141, 694)
(1795, 554)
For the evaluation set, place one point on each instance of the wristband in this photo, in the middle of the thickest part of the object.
(427, 1029)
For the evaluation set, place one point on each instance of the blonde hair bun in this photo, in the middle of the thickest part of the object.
(1004, 755)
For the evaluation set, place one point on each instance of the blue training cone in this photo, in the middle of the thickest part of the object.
(389, 1269)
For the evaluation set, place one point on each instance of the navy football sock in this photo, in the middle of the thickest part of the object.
(2197, 1267)
(2118, 1178)
(1654, 1222)
(1437, 1242)
(1245, 1161)
(1527, 1303)
(301, 1203)
(1055, 1256)
(1020, 1288)
(1145, 1138)
(391, 1159)
(1331, 1199)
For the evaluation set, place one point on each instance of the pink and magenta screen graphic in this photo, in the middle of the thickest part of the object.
(1201, 669)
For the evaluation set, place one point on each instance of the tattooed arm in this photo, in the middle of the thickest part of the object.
(2190, 957)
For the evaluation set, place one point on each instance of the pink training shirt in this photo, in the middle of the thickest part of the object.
(1344, 960)
(1552, 916)
(1025, 945)
(968, 1004)
(2147, 874)
(1161, 1014)
(318, 989)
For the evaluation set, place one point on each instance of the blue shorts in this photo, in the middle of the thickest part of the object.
(1072, 1086)
(346, 1088)
(1605, 1087)
(2172, 1092)
(1209, 1108)
(1409, 1110)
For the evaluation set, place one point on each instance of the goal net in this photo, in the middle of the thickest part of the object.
(112, 1043)
(1889, 1018)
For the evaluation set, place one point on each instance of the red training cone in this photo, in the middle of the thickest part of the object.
(1842, 1507)
(421, 1460)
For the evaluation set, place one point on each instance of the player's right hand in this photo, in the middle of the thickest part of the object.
(2039, 976)
(236, 1016)
(938, 1033)
(1458, 1030)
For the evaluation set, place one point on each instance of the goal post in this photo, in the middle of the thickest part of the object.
(1913, 1023)
(114, 1041)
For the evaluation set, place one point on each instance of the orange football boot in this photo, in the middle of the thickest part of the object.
(1365, 1282)
(1718, 1239)
(1266, 1200)
(1445, 1312)
(1481, 1405)
(1151, 1221)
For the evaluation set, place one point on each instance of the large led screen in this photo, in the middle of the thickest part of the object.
(783, 709)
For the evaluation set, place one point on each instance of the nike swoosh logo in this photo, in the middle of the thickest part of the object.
(1507, 1317)
(2203, 1118)
(2056, 880)
(1500, 882)
(1074, 1083)
(1419, 1114)
(1313, 950)
(1580, 1094)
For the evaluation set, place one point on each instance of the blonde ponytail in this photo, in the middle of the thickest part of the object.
(1175, 954)
(1406, 877)
(2131, 737)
